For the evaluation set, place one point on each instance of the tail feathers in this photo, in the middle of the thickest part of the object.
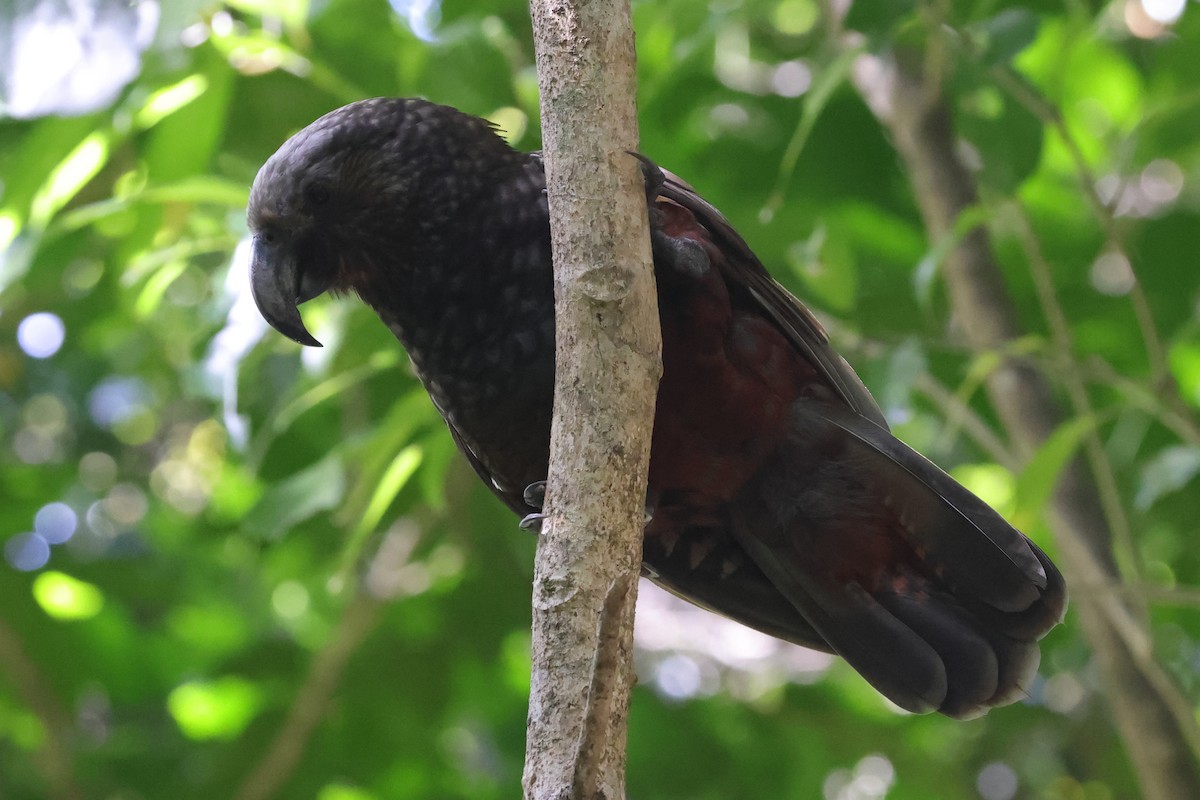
(946, 524)
(918, 584)
(860, 630)
(985, 667)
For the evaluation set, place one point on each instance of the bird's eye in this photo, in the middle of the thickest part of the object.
(268, 235)
(317, 193)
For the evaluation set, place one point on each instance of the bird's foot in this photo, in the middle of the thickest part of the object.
(535, 494)
(534, 497)
(532, 522)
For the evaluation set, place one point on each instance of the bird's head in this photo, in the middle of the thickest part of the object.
(338, 194)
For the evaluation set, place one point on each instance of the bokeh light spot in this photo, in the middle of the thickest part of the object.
(991, 482)
(791, 79)
(218, 709)
(97, 471)
(1064, 692)
(290, 600)
(47, 413)
(1161, 181)
(67, 598)
(27, 552)
(99, 522)
(82, 276)
(1140, 23)
(340, 791)
(73, 58)
(34, 446)
(55, 522)
(510, 122)
(117, 400)
(1112, 274)
(41, 335)
(125, 504)
(795, 17)
(422, 16)
(678, 677)
(997, 781)
(871, 779)
(1164, 11)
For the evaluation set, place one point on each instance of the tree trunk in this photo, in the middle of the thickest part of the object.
(608, 365)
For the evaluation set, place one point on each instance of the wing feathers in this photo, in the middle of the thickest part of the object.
(955, 530)
(797, 322)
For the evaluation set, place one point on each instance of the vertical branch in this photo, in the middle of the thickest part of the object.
(359, 618)
(54, 758)
(607, 361)
(1081, 404)
(1154, 717)
(272, 772)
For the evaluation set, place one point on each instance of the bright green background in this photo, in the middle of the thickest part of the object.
(339, 560)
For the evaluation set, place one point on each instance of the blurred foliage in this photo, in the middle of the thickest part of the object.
(230, 564)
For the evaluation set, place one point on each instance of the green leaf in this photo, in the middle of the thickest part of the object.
(79, 167)
(170, 99)
(1006, 135)
(877, 17)
(285, 505)
(930, 264)
(905, 365)
(1169, 471)
(827, 269)
(394, 478)
(1007, 34)
(831, 76)
(1036, 482)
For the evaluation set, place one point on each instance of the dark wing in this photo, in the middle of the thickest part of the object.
(849, 539)
(743, 268)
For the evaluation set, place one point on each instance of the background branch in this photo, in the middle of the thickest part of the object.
(1156, 721)
(1052, 116)
(54, 758)
(608, 364)
(382, 582)
(308, 708)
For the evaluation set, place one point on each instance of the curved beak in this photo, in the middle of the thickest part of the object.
(275, 283)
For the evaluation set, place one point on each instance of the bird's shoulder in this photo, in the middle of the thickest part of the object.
(685, 214)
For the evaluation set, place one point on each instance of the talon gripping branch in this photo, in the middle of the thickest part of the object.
(777, 496)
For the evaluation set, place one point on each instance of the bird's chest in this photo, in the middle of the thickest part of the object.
(485, 353)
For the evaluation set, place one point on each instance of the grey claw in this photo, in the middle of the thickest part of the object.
(535, 497)
(532, 522)
(535, 494)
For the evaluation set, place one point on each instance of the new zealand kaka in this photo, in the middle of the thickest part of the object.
(778, 496)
